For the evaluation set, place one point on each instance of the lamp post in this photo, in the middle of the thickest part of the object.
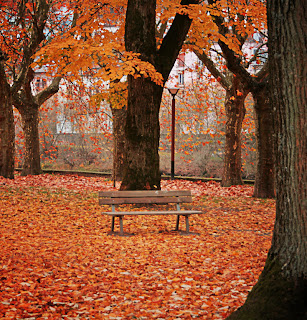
(173, 92)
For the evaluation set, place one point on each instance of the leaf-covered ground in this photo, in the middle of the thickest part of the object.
(57, 260)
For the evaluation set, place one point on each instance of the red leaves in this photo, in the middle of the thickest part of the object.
(29, 7)
(57, 259)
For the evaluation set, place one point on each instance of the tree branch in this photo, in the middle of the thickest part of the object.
(233, 61)
(202, 56)
(173, 41)
(37, 36)
(256, 54)
(48, 92)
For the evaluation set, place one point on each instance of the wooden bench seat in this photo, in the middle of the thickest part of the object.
(114, 198)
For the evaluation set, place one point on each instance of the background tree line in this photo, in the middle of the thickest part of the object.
(93, 19)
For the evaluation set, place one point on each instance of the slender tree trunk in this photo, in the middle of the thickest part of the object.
(235, 112)
(265, 181)
(119, 119)
(142, 133)
(7, 130)
(29, 118)
(28, 107)
(281, 291)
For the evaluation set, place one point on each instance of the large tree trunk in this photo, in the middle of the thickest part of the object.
(31, 161)
(142, 133)
(235, 112)
(7, 130)
(265, 181)
(142, 122)
(119, 119)
(281, 290)
(142, 127)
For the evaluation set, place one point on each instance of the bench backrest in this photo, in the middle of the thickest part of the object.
(146, 196)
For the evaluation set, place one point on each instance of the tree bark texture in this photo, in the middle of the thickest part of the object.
(31, 159)
(264, 186)
(142, 133)
(28, 107)
(142, 122)
(288, 65)
(22, 97)
(265, 176)
(119, 119)
(7, 129)
(142, 128)
(235, 112)
(281, 291)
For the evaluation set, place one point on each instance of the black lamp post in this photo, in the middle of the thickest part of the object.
(173, 92)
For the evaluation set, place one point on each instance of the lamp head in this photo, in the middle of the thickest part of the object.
(173, 91)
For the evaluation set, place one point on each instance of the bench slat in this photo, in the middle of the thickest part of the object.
(180, 199)
(152, 213)
(144, 193)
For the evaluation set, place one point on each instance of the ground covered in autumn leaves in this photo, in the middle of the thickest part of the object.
(57, 260)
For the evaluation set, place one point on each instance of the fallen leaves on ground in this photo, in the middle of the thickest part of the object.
(57, 260)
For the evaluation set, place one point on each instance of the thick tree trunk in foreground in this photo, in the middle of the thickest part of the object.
(281, 290)
(142, 122)
(265, 176)
(119, 119)
(142, 128)
(235, 112)
(142, 136)
(31, 161)
(7, 129)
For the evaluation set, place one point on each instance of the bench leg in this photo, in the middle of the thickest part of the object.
(177, 223)
(112, 225)
(121, 226)
(187, 223)
(121, 232)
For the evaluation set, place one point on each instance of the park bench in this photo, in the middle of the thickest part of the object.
(149, 197)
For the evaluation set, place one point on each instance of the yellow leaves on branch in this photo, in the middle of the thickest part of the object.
(108, 61)
(240, 18)
(96, 44)
(135, 67)
(115, 95)
(97, 41)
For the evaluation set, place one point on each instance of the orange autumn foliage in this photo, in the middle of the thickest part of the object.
(97, 40)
